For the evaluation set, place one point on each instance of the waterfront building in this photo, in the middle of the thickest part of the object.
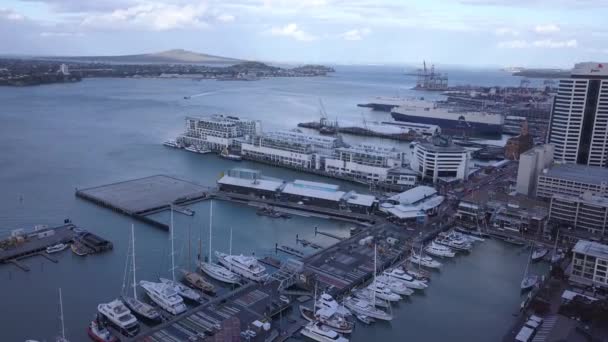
(589, 264)
(583, 213)
(579, 118)
(531, 165)
(413, 204)
(368, 163)
(572, 180)
(402, 176)
(439, 158)
(519, 144)
(217, 132)
(249, 182)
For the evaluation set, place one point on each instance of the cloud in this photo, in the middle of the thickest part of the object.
(154, 16)
(11, 15)
(506, 31)
(355, 34)
(546, 43)
(225, 18)
(291, 30)
(60, 34)
(547, 28)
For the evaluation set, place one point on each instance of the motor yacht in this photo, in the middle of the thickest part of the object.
(245, 266)
(424, 261)
(119, 316)
(363, 307)
(219, 272)
(439, 250)
(321, 333)
(165, 296)
(406, 278)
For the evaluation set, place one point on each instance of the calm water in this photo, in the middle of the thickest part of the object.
(58, 137)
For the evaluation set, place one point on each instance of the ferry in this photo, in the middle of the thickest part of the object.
(450, 120)
(245, 266)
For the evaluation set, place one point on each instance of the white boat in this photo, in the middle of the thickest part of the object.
(191, 149)
(245, 266)
(539, 253)
(457, 244)
(56, 248)
(119, 316)
(216, 271)
(424, 261)
(529, 280)
(171, 143)
(368, 295)
(439, 250)
(407, 279)
(227, 155)
(328, 317)
(181, 289)
(165, 296)
(327, 301)
(384, 292)
(363, 307)
(321, 333)
(395, 285)
(365, 319)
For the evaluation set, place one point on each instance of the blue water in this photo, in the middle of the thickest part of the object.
(58, 137)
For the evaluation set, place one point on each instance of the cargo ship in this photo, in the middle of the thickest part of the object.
(452, 121)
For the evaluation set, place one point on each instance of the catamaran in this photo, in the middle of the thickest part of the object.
(119, 316)
(439, 250)
(165, 296)
(216, 271)
(138, 307)
(406, 278)
(321, 333)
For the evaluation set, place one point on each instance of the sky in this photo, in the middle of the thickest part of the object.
(529, 33)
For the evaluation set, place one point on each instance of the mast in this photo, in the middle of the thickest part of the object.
(124, 277)
(61, 315)
(230, 248)
(528, 263)
(133, 248)
(172, 248)
(374, 289)
(314, 303)
(210, 227)
(555, 245)
(189, 255)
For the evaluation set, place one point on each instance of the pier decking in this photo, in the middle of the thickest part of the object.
(37, 242)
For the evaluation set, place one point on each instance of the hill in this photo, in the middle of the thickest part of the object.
(175, 56)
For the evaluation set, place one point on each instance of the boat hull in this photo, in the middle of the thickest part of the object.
(208, 269)
(453, 127)
(308, 315)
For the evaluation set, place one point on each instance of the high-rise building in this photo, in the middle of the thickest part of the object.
(531, 165)
(579, 118)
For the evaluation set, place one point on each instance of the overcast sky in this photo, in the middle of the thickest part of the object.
(551, 33)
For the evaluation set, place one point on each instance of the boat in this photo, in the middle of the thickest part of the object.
(139, 308)
(384, 103)
(56, 248)
(405, 278)
(181, 289)
(557, 254)
(270, 212)
(120, 317)
(78, 248)
(538, 253)
(450, 120)
(384, 292)
(424, 261)
(439, 250)
(416, 273)
(455, 243)
(191, 149)
(529, 280)
(365, 308)
(198, 281)
(165, 296)
(227, 155)
(171, 143)
(327, 317)
(245, 266)
(327, 301)
(395, 285)
(321, 333)
(99, 333)
(365, 319)
(368, 295)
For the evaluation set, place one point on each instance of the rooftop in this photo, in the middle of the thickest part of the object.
(314, 190)
(260, 184)
(590, 69)
(578, 173)
(591, 248)
(435, 148)
(414, 195)
(586, 198)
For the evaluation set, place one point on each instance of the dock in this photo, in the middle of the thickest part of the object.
(289, 250)
(317, 231)
(140, 197)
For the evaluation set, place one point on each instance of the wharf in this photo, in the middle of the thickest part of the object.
(363, 131)
(144, 196)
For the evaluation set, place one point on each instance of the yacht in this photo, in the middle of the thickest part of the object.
(327, 301)
(365, 319)
(56, 248)
(321, 333)
(198, 281)
(529, 282)
(368, 295)
(99, 333)
(141, 309)
(165, 296)
(181, 289)
(395, 285)
(406, 278)
(457, 244)
(171, 143)
(424, 261)
(363, 307)
(119, 316)
(219, 272)
(538, 253)
(245, 266)
(328, 317)
(439, 250)
(384, 292)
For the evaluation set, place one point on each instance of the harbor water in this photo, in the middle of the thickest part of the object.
(56, 138)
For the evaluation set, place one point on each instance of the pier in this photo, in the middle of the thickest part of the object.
(317, 231)
(144, 196)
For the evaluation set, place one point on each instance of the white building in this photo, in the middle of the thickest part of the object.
(217, 132)
(579, 118)
(63, 68)
(589, 264)
(414, 203)
(531, 165)
(572, 180)
(440, 159)
(364, 162)
(585, 212)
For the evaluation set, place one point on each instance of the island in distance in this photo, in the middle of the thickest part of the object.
(35, 70)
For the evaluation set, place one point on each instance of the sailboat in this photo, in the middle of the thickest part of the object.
(194, 279)
(138, 307)
(538, 253)
(557, 254)
(529, 280)
(214, 270)
(182, 290)
(61, 338)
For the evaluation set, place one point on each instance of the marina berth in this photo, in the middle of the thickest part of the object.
(245, 266)
(164, 296)
(119, 316)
